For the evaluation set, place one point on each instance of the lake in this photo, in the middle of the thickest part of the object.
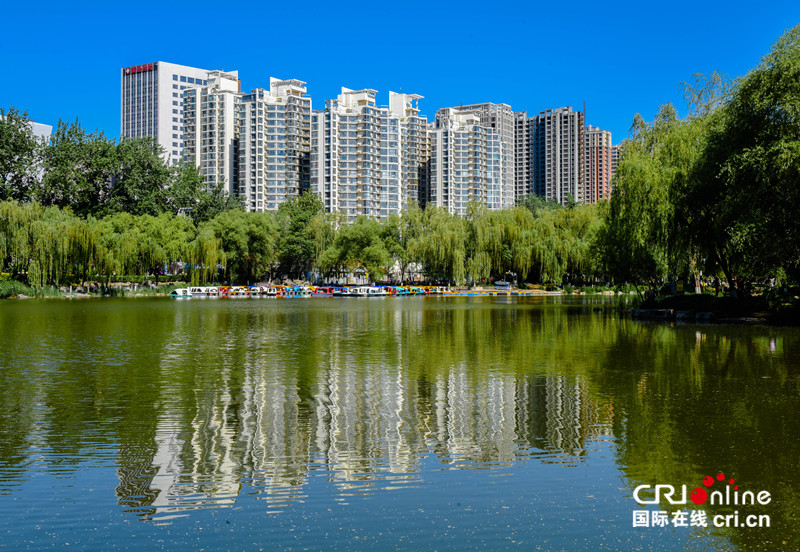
(412, 423)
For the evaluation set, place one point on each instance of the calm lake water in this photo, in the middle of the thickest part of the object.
(495, 423)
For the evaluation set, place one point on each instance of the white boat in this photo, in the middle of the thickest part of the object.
(368, 291)
(180, 293)
(198, 291)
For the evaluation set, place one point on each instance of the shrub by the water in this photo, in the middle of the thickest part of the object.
(11, 288)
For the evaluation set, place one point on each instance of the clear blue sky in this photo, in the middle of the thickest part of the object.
(63, 60)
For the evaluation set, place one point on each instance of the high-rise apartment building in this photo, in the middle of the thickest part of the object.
(152, 103)
(274, 144)
(414, 148)
(466, 162)
(522, 156)
(597, 171)
(556, 155)
(500, 118)
(359, 151)
(212, 129)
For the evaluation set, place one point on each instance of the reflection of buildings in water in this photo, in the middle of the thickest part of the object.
(475, 419)
(365, 421)
(556, 415)
(250, 419)
(274, 440)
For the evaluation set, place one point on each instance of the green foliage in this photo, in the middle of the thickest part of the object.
(78, 169)
(297, 246)
(19, 156)
(358, 247)
(642, 242)
(248, 241)
(139, 178)
(12, 288)
(206, 204)
(717, 191)
(745, 191)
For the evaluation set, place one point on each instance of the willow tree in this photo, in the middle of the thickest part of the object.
(743, 200)
(323, 229)
(397, 232)
(206, 256)
(16, 223)
(441, 245)
(639, 239)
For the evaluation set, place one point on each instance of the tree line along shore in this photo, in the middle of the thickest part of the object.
(710, 196)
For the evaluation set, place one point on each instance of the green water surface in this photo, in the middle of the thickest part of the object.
(419, 423)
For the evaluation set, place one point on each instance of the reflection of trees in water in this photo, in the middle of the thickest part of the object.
(696, 400)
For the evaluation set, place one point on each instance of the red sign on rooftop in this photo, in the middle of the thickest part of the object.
(139, 68)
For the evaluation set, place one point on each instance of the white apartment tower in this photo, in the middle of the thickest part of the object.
(274, 144)
(152, 103)
(466, 162)
(501, 118)
(360, 154)
(212, 129)
(414, 148)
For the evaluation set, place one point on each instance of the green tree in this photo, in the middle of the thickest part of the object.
(296, 247)
(397, 231)
(139, 178)
(78, 169)
(358, 246)
(19, 156)
(441, 245)
(209, 202)
(641, 240)
(323, 228)
(742, 200)
(248, 241)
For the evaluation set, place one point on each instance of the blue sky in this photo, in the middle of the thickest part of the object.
(62, 60)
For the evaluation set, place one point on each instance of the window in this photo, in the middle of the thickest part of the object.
(174, 77)
(183, 79)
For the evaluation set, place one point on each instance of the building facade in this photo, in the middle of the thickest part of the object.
(152, 103)
(212, 129)
(556, 155)
(597, 171)
(274, 144)
(502, 119)
(364, 158)
(466, 162)
(414, 148)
